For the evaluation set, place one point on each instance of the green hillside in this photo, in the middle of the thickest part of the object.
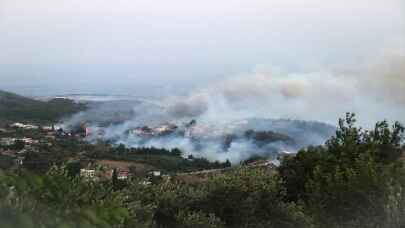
(14, 107)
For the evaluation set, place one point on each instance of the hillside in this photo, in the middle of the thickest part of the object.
(14, 107)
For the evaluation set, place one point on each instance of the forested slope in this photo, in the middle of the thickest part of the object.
(14, 108)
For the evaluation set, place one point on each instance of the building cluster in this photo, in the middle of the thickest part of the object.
(161, 130)
(15, 144)
(104, 173)
(24, 126)
(21, 141)
(187, 130)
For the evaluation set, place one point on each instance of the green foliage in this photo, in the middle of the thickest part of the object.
(73, 169)
(243, 198)
(197, 220)
(163, 159)
(297, 170)
(253, 198)
(55, 200)
(357, 179)
(6, 162)
(353, 179)
(18, 145)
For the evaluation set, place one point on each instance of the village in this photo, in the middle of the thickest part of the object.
(18, 141)
(38, 148)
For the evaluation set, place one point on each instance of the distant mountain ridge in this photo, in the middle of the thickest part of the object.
(16, 108)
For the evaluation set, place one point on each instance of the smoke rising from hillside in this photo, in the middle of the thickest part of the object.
(374, 91)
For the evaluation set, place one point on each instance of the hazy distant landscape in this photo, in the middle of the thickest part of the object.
(132, 146)
(202, 114)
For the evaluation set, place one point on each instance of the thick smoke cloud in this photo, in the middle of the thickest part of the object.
(387, 79)
(375, 91)
(187, 108)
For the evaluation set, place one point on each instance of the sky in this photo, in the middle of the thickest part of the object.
(136, 46)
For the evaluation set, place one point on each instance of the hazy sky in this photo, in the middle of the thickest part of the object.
(113, 46)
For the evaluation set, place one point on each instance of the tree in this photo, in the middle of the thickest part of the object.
(252, 198)
(176, 152)
(18, 145)
(198, 220)
(227, 164)
(114, 179)
(349, 181)
(73, 168)
(121, 149)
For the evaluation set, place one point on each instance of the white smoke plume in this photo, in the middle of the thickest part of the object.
(375, 91)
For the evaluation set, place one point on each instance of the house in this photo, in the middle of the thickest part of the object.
(24, 151)
(9, 153)
(87, 132)
(23, 126)
(145, 182)
(17, 125)
(155, 173)
(20, 160)
(161, 130)
(123, 174)
(88, 173)
(48, 128)
(7, 141)
(165, 129)
(29, 141)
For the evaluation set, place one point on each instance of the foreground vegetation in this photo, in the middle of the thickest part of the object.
(357, 179)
